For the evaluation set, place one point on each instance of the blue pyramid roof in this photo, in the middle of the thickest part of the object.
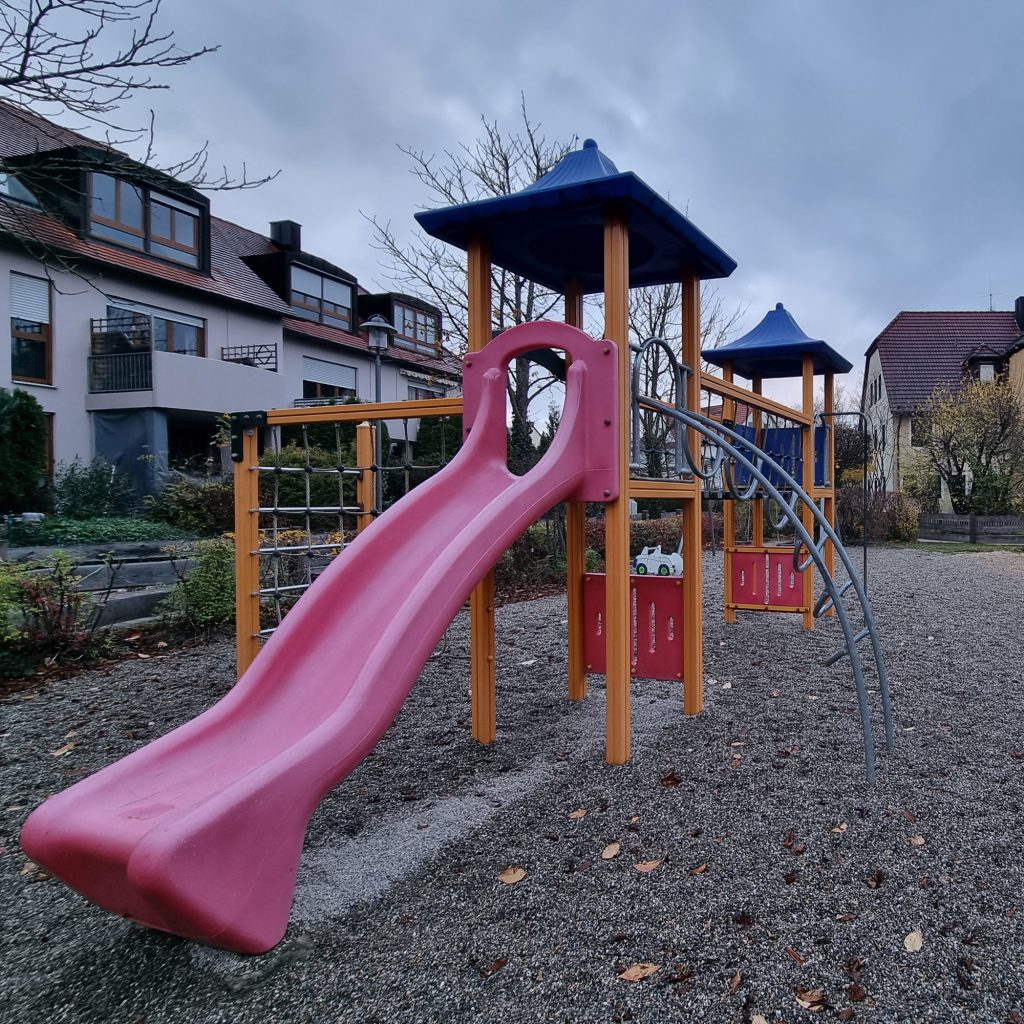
(775, 348)
(552, 231)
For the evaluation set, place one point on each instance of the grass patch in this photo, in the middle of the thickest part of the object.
(101, 530)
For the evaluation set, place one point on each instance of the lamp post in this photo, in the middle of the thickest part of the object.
(378, 333)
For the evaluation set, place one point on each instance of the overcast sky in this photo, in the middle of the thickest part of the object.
(856, 157)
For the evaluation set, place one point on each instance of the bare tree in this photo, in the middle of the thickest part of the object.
(657, 313)
(497, 163)
(86, 58)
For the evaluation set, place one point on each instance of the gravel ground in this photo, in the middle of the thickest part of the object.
(780, 870)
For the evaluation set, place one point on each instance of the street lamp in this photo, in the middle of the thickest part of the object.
(378, 333)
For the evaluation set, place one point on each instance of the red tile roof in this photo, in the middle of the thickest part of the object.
(920, 352)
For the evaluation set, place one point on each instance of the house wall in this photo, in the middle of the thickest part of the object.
(180, 382)
(1015, 372)
(883, 472)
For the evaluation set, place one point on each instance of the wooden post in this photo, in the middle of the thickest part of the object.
(481, 603)
(728, 508)
(693, 610)
(757, 505)
(618, 622)
(575, 545)
(807, 482)
(830, 475)
(365, 486)
(247, 559)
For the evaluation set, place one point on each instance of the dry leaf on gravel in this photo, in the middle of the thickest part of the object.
(639, 971)
(909, 815)
(63, 751)
(841, 828)
(699, 869)
(611, 851)
(812, 999)
(795, 956)
(578, 814)
(511, 875)
(646, 866)
(486, 972)
(734, 985)
(758, 1019)
(914, 941)
(29, 867)
(917, 840)
(671, 779)
(847, 1013)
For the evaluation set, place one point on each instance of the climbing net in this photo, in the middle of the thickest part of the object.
(320, 484)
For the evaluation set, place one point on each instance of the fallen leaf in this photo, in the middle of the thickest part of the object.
(161, 644)
(841, 828)
(913, 942)
(639, 971)
(63, 751)
(511, 875)
(578, 814)
(758, 1019)
(854, 967)
(28, 867)
(744, 919)
(646, 866)
(611, 851)
(846, 918)
(671, 779)
(795, 956)
(726, 686)
(634, 819)
(734, 985)
(788, 839)
(737, 761)
(876, 879)
(143, 656)
(856, 993)
(133, 637)
(775, 693)
(486, 972)
(791, 876)
(798, 848)
(909, 815)
(699, 869)
(812, 999)
(917, 840)
(846, 1014)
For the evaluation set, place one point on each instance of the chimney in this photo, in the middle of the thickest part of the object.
(286, 234)
(1018, 313)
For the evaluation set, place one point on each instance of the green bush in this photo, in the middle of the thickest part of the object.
(44, 616)
(22, 450)
(90, 489)
(201, 509)
(892, 515)
(108, 529)
(204, 596)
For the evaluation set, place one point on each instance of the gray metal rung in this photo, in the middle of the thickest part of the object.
(845, 651)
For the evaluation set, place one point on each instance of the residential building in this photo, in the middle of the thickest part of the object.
(138, 317)
(919, 353)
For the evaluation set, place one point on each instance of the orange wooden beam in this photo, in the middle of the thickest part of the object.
(757, 505)
(728, 509)
(724, 389)
(618, 634)
(481, 603)
(807, 481)
(247, 559)
(575, 546)
(366, 491)
(693, 608)
(830, 468)
(367, 411)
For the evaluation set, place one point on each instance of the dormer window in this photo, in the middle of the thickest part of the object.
(986, 372)
(321, 299)
(418, 329)
(142, 218)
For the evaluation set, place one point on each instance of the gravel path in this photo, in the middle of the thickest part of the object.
(780, 870)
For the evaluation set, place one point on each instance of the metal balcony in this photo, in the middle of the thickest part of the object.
(121, 371)
(262, 356)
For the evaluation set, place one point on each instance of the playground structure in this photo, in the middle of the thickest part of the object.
(200, 833)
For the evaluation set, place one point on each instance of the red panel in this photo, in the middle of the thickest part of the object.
(748, 571)
(656, 604)
(785, 584)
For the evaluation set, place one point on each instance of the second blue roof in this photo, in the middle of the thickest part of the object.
(775, 348)
(552, 231)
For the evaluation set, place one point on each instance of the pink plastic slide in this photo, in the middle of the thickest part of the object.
(200, 832)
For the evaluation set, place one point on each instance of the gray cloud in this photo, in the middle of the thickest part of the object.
(856, 158)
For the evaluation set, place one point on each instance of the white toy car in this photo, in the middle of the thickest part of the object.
(651, 560)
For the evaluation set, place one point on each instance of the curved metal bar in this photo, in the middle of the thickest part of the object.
(719, 433)
(679, 372)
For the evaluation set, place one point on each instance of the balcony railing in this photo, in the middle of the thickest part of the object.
(262, 356)
(121, 371)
